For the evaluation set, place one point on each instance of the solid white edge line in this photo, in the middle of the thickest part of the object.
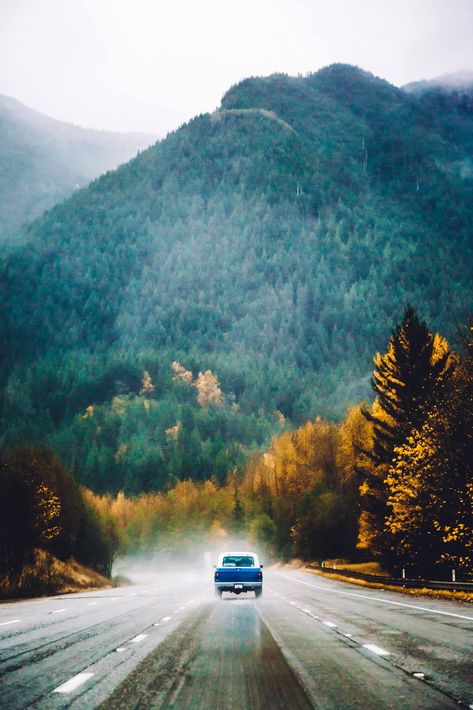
(57, 611)
(375, 649)
(73, 683)
(378, 599)
(6, 623)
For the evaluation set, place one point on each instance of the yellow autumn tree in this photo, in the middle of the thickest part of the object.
(415, 369)
(147, 387)
(209, 393)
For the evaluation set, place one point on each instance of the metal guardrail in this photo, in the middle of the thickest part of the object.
(396, 582)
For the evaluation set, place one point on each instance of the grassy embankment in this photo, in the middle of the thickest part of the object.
(48, 575)
(375, 569)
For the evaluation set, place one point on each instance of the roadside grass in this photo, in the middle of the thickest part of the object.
(47, 574)
(364, 567)
(420, 592)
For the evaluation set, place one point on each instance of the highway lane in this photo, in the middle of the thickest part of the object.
(309, 642)
(432, 638)
(44, 643)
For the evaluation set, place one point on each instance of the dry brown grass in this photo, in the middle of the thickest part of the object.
(48, 575)
(364, 567)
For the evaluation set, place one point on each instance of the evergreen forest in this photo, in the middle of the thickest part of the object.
(188, 332)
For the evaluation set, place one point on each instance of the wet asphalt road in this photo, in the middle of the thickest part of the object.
(310, 642)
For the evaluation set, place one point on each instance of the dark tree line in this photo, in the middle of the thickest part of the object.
(42, 507)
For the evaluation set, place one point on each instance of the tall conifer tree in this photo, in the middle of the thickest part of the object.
(416, 366)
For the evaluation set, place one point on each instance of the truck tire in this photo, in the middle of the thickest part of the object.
(259, 592)
(218, 593)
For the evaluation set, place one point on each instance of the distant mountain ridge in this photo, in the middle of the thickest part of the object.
(43, 160)
(274, 242)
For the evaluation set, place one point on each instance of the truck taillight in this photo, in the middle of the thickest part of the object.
(217, 575)
(259, 575)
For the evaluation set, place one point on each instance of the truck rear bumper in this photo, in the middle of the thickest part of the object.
(237, 586)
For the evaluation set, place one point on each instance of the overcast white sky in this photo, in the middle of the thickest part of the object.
(149, 65)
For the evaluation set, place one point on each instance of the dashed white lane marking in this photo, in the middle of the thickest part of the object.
(378, 599)
(157, 624)
(120, 649)
(57, 611)
(12, 621)
(176, 611)
(420, 675)
(330, 623)
(73, 683)
(306, 611)
(114, 598)
(375, 649)
(165, 618)
(92, 603)
(140, 637)
(181, 608)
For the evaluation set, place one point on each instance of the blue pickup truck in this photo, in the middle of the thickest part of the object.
(238, 572)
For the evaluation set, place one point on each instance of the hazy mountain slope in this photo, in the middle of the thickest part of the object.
(43, 160)
(275, 242)
(448, 102)
(457, 81)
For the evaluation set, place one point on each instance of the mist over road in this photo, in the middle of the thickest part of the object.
(168, 643)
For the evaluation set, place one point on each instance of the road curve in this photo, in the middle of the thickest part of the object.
(308, 643)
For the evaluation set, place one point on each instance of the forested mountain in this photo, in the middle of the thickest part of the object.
(43, 160)
(266, 250)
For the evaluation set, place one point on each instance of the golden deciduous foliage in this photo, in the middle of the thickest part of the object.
(42, 507)
(147, 384)
(186, 515)
(408, 379)
(209, 393)
(181, 374)
(48, 509)
(302, 493)
(304, 476)
(207, 385)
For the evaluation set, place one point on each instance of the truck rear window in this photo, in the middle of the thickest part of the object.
(233, 561)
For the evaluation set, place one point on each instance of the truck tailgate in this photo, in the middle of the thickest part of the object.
(238, 574)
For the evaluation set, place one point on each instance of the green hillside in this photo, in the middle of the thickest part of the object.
(43, 160)
(274, 243)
